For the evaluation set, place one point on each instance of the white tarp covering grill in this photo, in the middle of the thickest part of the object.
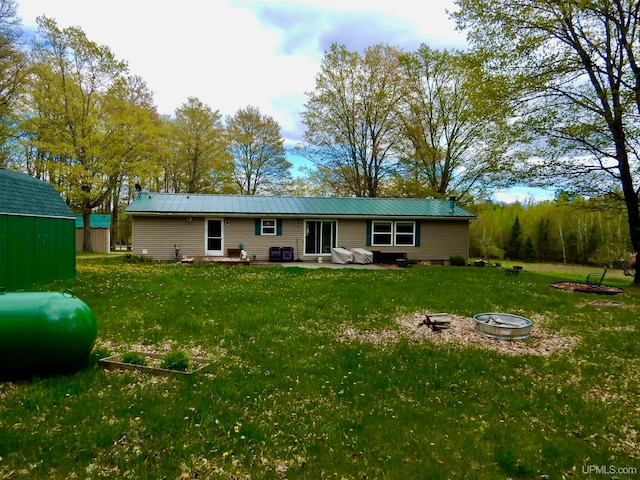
(341, 255)
(360, 255)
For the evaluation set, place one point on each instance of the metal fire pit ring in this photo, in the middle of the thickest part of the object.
(503, 326)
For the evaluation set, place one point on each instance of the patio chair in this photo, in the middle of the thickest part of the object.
(275, 254)
(287, 254)
(597, 277)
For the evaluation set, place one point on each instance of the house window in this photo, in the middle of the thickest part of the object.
(389, 233)
(405, 233)
(268, 227)
(381, 233)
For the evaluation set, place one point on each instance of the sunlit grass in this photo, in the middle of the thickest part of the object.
(288, 398)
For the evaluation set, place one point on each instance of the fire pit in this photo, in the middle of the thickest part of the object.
(587, 288)
(503, 326)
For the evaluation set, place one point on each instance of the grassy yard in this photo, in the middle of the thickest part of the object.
(291, 395)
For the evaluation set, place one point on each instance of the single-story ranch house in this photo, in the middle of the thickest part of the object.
(170, 226)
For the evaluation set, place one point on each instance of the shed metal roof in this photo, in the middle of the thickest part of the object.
(253, 205)
(97, 220)
(22, 194)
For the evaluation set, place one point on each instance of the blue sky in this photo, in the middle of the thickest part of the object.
(234, 53)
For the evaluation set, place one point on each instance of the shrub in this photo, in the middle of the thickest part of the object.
(134, 358)
(130, 258)
(97, 354)
(457, 261)
(175, 360)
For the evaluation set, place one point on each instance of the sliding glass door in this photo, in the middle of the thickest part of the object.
(320, 237)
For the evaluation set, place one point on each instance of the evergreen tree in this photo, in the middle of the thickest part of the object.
(528, 252)
(515, 241)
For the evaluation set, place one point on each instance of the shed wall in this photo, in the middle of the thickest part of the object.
(35, 250)
(100, 239)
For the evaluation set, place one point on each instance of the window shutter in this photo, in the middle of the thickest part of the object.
(279, 226)
(368, 238)
(417, 234)
(258, 226)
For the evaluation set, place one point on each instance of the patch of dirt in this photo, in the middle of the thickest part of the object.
(605, 303)
(587, 288)
(461, 332)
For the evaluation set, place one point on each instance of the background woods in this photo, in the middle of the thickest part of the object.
(566, 230)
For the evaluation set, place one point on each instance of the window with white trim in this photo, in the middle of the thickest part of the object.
(405, 233)
(268, 227)
(381, 233)
(388, 233)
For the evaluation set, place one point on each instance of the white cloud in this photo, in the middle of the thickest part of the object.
(522, 195)
(234, 53)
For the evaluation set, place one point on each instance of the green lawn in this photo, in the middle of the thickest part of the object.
(290, 396)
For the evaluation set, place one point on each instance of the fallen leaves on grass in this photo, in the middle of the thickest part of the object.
(162, 349)
(461, 332)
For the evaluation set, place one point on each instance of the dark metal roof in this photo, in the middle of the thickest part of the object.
(253, 205)
(22, 194)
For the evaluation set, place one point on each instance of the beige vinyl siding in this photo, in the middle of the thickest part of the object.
(158, 235)
(242, 231)
(100, 239)
(439, 239)
(352, 234)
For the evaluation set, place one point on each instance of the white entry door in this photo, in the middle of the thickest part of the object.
(215, 237)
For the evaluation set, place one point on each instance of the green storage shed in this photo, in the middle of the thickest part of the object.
(37, 233)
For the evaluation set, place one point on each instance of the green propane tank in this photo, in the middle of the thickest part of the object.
(44, 332)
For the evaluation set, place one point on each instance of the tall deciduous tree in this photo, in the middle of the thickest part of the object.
(351, 118)
(453, 122)
(257, 148)
(581, 61)
(200, 161)
(14, 67)
(67, 126)
(133, 134)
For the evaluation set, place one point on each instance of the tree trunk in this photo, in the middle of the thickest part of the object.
(564, 249)
(115, 220)
(633, 218)
(629, 192)
(86, 235)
